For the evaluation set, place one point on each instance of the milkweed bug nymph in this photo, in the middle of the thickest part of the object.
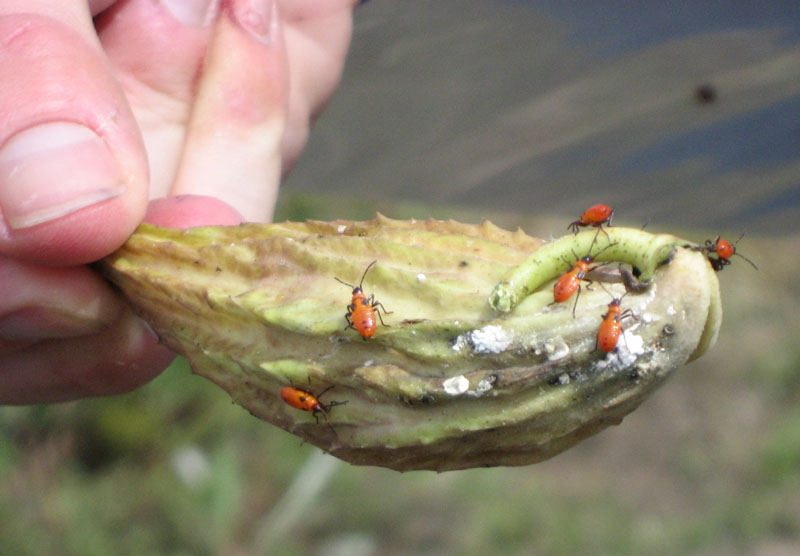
(570, 282)
(306, 401)
(611, 328)
(362, 309)
(595, 216)
(723, 250)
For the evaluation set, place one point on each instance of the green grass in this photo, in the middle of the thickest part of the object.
(710, 465)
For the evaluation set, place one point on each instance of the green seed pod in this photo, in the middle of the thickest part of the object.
(475, 365)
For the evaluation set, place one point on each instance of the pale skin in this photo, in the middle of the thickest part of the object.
(201, 105)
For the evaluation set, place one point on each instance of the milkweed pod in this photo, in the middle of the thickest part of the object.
(477, 368)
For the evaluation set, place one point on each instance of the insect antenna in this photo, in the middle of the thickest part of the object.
(740, 255)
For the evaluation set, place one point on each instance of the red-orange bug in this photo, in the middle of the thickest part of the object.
(570, 282)
(362, 309)
(723, 250)
(595, 216)
(306, 401)
(611, 328)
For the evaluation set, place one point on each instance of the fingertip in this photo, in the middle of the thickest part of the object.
(188, 211)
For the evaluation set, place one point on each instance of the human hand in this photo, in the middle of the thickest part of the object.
(108, 104)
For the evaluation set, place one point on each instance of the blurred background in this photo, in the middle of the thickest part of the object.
(681, 115)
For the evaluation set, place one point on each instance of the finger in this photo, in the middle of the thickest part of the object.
(64, 334)
(317, 35)
(115, 360)
(232, 148)
(187, 211)
(49, 302)
(97, 6)
(158, 49)
(73, 172)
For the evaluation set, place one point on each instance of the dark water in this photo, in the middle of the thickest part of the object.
(546, 107)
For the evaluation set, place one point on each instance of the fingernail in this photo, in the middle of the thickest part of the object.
(194, 13)
(55, 169)
(257, 17)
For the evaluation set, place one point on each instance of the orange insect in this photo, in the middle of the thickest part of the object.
(306, 401)
(570, 282)
(723, 250)
(595, 216)
(362, 309)
(611, 328)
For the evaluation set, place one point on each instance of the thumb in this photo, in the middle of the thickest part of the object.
(73, 171)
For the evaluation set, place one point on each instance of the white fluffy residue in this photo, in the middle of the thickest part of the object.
(631, 343)
(341, 228)
(555, 348)
(456, 385)
(489, 339)
(421, 277)
(484, 386)
(629, 347)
